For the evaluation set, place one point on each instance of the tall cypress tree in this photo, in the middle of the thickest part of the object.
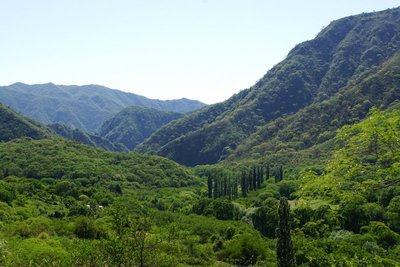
(254, 178)
(267, 172)
(209, 185)
(243, 184)
(281, 173)
(220, 188)
(229, 188)
(250, 181)
(261, 174)
(284, 247)
(215, 188)
(225, 183)
(235, 188)
(258, 177)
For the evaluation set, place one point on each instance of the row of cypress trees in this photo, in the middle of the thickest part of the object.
(222, 187)
(251, 180)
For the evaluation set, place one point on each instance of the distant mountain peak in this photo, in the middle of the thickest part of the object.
(85, 107)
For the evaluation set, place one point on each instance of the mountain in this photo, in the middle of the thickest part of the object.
(133, 125)
(84, 107)
(319, 121)
(13, 125)
(84, 137)
(348, 52)
(65, 159)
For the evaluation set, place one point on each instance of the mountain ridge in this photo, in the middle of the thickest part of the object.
(84, 107)
(14, 125)
(133, 125)
(313, 71)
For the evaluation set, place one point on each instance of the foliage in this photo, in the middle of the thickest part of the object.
(83, 107)
(284, 247)
(85, 138)
(67, 204)
(13, 125)
(62, 159)
(316, 76)
(133, 125)
(245, 250)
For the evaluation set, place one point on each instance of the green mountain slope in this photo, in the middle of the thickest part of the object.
(368, 156)
(133, 125)
(13, 125)
(62, 159)
(84, 107)
(313, 71)
(318, 122)
(84, 137)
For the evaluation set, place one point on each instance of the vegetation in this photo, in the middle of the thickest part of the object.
(68, 160)
(67, 204)
(13, 125)
(133, 125)
(319, 122)
(85, 138)
(284, 250)
(346, 52)
(83, 107)
(296, 192)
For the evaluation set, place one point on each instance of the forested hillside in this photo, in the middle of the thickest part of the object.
(62, 159)
(307, 172)
(360, 189)
(84, 137)
(67, 204)
(319, 121)
(133, 125)
(84, 107)
(342, 55)
(13, 125)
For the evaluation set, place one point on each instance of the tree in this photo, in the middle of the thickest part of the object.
(250, 181)
(216, 195)
(229, 188)
(129, 237)
(243, 184)
(265, 218)
(285, 252)
(225, 187)
(86, 228)
(117, 245)
(223, 209)
(393, 213)
(209, 185)
(279, 174)
(235, 188)
(254, 178)
(142, 243)
(258, 178)
(244, 250)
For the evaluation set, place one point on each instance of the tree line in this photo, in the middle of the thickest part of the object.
(223, 185)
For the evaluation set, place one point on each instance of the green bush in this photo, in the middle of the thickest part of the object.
(87, 228)
(39, 252)
(244, 250)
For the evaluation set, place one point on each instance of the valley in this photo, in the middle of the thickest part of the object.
(300, 169)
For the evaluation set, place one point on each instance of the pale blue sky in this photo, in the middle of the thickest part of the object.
(199, 49)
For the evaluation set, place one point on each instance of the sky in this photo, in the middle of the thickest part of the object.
(166, 49)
